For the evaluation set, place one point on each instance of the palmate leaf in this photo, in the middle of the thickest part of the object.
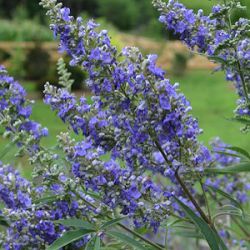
(126, 239)
(76, 223)
(209, 234)
(68, 238)
(238, 168)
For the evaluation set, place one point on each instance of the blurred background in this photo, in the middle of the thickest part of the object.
(29, 52)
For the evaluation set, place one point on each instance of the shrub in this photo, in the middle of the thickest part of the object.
(24, 31)
(179, 64)
(37, 63)
(4, 55)
(134, 167)
(17, 62)
(125, 18)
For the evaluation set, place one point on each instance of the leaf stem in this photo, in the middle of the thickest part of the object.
(206, 200)
(245, 89)
(185, 189)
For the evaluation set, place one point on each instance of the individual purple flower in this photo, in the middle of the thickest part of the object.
(65, 12)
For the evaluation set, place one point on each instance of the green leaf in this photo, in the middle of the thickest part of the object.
(97, 244)
(68, 238)
(217, 59)
(241, 120)
(90, 244)
(94, 243)
(126, 239)
(189, 234)
(225, 153)
(240, 151)
(111, 223)
(173, 223)
(241, 167)
(209, 234)
(3, 222)
(77, 223)
(226, 195)
(46, 200)
(6, 150)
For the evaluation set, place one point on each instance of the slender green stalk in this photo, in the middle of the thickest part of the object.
(206, 200)
(166, 238)
(186, 191)
(242, 77)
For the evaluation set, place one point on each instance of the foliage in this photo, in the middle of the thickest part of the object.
(37, 63)
(126, 19)
(26, 30)
(179, 65)
(17, 61)
(135, 160)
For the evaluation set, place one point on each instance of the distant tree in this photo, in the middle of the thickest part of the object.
(123, 13)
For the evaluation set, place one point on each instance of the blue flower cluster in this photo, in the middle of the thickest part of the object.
(137, 117)
(31, 223)
(15, 114)
(14, 189)
(147, 117)
(137, 139)
(217, 38)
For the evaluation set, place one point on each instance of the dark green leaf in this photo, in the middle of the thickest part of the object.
(225, 153)
(209, 234)
(94, 243)
(173, 223)
(126, 239)
(93, 194)
(3, 222)
(189, 234)
(241, 120)
(240, 151)
(226, 195)
(217, 59)
(46, 200)
(241, 167)
(90, 244)
(6, 150)
(111, 223)
(97, 244)
(77, 223)
(68, 238)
